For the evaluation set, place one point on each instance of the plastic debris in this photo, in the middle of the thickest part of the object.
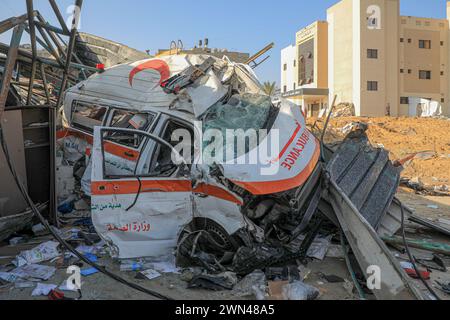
(43, 289)
(39, 230)
(89, 271)
(131, 266)
(43, 252)
(151, 274)
(299, 291)
(83, 249)
(16, 240)
(91, 257)
(66, 207)
(223, 281)
(252, 284)
(166, 266)
(411, 271)
(319, 247)
(317, 250)
(20, 284)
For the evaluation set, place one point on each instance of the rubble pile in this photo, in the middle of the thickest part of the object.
(423, 142)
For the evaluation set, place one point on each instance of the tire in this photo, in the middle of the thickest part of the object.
(224, 242)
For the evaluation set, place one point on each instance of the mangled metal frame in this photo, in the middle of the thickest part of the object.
(64, 60)
(357, 176)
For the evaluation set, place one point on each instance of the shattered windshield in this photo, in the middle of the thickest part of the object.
(241, 112)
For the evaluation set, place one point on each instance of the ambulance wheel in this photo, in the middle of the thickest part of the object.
(222, 243)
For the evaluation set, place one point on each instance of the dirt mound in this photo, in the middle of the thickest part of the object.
(403, 137)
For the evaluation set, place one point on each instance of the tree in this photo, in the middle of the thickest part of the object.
(269, 88)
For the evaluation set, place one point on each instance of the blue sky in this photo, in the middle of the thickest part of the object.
(242, 25)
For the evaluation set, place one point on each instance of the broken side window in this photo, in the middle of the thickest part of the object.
(180, 136)
(86, 116)
(129, 120)
(119, 161)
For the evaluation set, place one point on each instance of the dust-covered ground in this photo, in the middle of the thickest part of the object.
(101, 287)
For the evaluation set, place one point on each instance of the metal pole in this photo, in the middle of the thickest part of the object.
(45, 83)
(73, 33)
(9, 66)
(10, 23)
(59, 16)
(52, 35)
(53, 52)
(33, 48)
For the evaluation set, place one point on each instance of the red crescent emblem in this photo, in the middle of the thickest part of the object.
(159, 65)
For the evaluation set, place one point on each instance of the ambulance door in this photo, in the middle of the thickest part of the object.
(141, 211)
(122, 151)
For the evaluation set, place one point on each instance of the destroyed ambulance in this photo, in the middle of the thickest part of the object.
(222, 215)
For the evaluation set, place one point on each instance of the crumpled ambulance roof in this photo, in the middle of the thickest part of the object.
(138, 83)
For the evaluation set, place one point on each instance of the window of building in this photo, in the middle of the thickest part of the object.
(294, 86)
(409, 71)
(285, 66)
(442, 43)
(409, 40)
(425, 44)
(372, 53)
(372, 85)
(295, 63)
(402, 70)
(86, 116)
(424, 74)
(442, 73)
(404, 100)
(284, 89)
(442, 100)
(402, 40)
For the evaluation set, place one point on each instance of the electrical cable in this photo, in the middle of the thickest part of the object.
(411, 258)
(137, 195)
(350, 268)
(44, 221)
(322, 138)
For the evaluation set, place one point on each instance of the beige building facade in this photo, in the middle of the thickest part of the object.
(304, 69)
(380, 61)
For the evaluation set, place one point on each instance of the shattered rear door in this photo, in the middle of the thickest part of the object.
(139, 213)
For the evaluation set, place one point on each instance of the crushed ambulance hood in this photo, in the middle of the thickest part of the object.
(288, 165)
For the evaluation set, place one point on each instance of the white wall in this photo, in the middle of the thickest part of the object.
(288, 55)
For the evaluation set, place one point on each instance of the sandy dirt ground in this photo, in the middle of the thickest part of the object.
(403, 137)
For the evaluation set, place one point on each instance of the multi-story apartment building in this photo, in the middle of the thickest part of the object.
(367, 54)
